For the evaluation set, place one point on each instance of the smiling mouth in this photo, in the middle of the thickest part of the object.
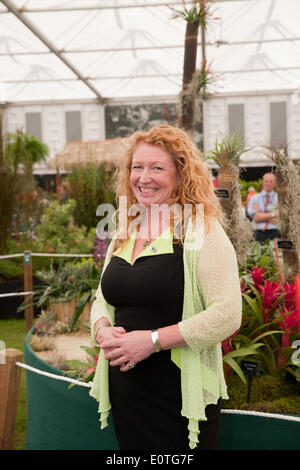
(147, 190)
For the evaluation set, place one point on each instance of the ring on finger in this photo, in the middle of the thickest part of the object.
(130, 365)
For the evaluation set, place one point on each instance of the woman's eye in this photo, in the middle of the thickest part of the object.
(135, 167)
(158, 168)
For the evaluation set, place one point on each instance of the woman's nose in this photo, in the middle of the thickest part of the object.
(145, 176)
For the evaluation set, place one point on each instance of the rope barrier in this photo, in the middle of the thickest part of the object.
(16, 255)
(54, 376)
(50, 255)
(16, 293)
(223, 411)
(263, 415)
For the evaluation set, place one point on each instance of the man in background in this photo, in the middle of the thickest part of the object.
(263, 210)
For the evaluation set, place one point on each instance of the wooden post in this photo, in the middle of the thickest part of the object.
(10, 375)
(28, 288)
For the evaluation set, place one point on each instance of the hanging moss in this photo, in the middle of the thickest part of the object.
(288, 187)
(238, 227)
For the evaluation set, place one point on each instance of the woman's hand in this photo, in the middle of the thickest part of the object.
(106, 333)
(126, 350)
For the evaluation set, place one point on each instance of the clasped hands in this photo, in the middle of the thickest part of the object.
(124, 349)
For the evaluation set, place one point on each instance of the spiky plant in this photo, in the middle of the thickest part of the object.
(228, 151)
(227, 154)
(196, 15)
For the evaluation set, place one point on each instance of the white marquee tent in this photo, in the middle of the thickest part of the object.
(110, 49)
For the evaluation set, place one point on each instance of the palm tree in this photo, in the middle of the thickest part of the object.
(196, 16)
(26, 150)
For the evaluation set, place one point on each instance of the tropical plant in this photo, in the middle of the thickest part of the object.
(26, 150)
(70, 281)
(269, 315)
(227, 155)
(58, 233)
(8, 205)
(270, 319)
(84, 370)
(8, 199)
(90, 185)
(196, 15)
(228, 151)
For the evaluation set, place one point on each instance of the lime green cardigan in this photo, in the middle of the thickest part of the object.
(211, 313)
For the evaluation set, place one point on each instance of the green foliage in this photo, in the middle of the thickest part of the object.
(269, 394)
(84, 370)
(8, 204)
(26, 150)
(245, 185)
(261, 255)
(195, 13)
(90, 186)
(269, 316)
(58, 233)
(10, 269)
(17, 195)
(65, 282)
(13, 333)
(228, 151)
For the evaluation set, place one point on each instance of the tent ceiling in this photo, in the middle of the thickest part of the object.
(106, 49)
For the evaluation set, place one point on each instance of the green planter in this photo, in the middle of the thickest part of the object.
(59, 417)
(63, 418)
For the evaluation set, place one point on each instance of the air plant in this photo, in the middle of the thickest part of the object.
(199, 12)
(228, 151)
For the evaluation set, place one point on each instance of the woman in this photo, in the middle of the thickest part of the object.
(165, 302)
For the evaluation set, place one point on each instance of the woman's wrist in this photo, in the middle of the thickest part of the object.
(102, 323)
(168, 337)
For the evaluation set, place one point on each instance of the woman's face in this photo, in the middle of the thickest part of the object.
(153, 176)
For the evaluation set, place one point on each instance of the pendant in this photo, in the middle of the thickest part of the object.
(146, 243)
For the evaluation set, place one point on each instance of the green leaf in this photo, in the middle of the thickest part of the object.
(234, 365)
(244, 351)
(92, 352)
(76, 364)
(267, 333)
(79, 308)
(255, 307)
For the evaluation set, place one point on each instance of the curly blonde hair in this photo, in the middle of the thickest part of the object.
(195, 186)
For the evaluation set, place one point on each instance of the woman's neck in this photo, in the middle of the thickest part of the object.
(153, 224)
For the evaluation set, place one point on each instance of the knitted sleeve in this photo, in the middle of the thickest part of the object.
(218, 276)
(100, 307)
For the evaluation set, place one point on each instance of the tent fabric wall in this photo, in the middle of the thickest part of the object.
(133, 48)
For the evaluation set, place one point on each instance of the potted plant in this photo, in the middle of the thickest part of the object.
(227, 154)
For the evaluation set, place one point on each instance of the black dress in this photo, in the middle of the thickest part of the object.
(146, 400)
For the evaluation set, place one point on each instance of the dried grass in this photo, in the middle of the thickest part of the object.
(290, 210)
(41, 343)
(238, 227)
